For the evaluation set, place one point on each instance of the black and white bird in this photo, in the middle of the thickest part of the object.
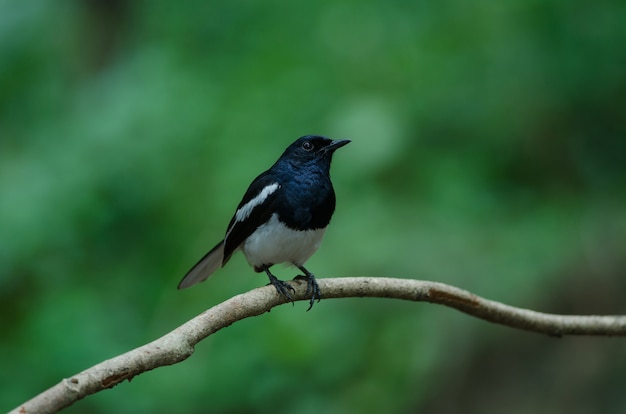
(282, 217)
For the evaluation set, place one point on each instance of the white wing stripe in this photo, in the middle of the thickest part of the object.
(245, 210)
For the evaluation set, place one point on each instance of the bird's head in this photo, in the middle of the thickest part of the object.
(312, 149)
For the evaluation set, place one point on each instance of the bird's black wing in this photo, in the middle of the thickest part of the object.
(255, 209)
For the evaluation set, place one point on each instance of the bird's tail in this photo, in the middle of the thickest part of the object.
(204, 268)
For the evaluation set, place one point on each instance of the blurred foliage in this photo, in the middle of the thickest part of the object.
(488, 152)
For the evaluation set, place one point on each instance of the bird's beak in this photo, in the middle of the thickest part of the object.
(338, 143)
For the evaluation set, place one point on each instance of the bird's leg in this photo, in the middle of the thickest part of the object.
(312, 288)
(282, 288)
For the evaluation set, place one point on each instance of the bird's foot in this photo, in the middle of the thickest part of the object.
(282, 288)
(312, 288)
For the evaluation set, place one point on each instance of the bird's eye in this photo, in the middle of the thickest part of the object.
(307, 146)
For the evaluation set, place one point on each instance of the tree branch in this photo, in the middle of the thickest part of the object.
(179, 344)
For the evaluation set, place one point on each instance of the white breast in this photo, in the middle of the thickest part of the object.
(274, 243)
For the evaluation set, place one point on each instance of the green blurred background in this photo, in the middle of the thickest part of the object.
(489, 152)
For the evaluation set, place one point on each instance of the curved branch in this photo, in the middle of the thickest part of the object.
(179, 344)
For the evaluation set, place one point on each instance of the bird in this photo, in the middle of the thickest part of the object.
(281, 218)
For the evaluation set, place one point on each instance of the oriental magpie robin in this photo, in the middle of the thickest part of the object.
(282, 217)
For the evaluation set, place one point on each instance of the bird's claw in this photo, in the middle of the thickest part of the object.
(282, 288)
(312, 289)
